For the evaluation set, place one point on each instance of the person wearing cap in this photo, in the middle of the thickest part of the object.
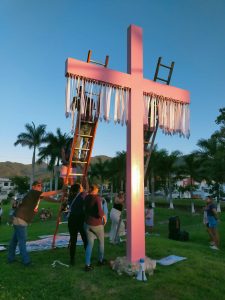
(24, 214)
(95, 220)
(212, 222)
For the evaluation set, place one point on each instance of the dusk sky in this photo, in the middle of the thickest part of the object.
(37, 37)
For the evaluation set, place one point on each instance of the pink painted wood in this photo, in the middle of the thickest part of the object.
(135, 149)
(135, 164)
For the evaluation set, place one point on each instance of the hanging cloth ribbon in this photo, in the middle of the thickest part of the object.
(172, 115)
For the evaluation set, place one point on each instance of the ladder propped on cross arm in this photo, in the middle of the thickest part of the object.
(150, 133)
(82, 144)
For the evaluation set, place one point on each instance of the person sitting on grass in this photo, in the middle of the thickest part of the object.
(48, 213)
(43, 215)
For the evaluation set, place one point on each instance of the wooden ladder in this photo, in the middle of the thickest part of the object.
(75, 161)
(149, 135)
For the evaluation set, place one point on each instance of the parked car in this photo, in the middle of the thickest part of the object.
(175, 195)
(159, 194)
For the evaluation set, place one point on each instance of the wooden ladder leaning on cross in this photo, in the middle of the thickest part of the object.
(149, 132)
(83, 142)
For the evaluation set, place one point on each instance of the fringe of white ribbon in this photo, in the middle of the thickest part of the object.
(173, 116)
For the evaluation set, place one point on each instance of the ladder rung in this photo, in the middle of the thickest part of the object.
(97, 63)
(89, 122)
(91, 93)
(161, 79)
(79, 162)
(82, 149)
(84, 135)
(76, 174)
(165, 66)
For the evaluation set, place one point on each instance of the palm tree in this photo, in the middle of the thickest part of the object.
(194, 169)
(117, 170)
(32, 138)
(99, 170)
(211, 153)
(168, 170)
(154, 168)
(52, 151)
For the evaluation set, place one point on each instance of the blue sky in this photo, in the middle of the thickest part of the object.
(37, 37)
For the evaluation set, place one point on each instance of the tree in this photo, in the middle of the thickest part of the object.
(21, 183)
(32, 138)
(154, 169)
(193, 169)
(168, 170)
(99, 171)
(117, 171)
(211, 153)
(52, 151)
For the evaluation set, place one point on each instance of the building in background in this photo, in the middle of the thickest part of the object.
(6, 186)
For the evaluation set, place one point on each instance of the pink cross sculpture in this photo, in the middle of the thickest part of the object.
(134, 81)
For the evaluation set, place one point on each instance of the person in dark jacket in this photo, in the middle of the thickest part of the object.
(76, 218)
(95, 220)
(24, 214)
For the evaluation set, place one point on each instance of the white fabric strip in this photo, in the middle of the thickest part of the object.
(173, 116)
(107, 103)
(116, 104)
(67, 104)
(122, 117)
(127, 97)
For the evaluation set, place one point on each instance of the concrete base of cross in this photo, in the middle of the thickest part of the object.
(123, 266)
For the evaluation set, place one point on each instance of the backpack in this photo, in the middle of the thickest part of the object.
(174, 228)
(183, 236)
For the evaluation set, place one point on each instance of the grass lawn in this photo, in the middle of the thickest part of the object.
(201, 276)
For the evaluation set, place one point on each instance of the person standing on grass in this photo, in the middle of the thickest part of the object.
(212, 223)
(95, 220)
(76, 218)
(206, 223)
(117, 225)
(23, 215)
(149, 218)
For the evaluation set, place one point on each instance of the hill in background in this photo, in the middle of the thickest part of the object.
(9, 169)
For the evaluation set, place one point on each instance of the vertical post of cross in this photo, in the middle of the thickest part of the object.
(135, 155)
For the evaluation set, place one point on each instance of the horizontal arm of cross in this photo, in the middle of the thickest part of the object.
(76, 67)
(166, 91)
(90, 71)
